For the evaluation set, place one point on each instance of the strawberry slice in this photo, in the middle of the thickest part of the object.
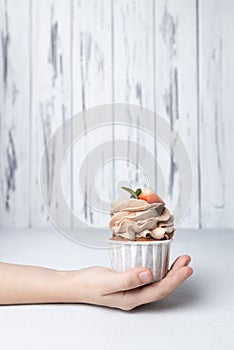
(150, 196)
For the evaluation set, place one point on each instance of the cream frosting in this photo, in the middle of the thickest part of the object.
(135, 218)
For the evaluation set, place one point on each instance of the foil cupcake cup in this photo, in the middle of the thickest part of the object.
(154, 255)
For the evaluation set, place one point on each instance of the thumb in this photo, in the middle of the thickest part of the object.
(130, 279)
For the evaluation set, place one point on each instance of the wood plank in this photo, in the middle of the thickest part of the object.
(92, 85)
(51, 94)
(14, 113)
(216, 112)
(134, 84)
(176, 101)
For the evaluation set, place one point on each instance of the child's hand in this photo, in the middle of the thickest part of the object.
(125, 290)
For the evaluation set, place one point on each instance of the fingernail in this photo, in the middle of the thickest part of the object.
(145, 277)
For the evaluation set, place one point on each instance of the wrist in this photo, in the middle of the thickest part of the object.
(69, 290)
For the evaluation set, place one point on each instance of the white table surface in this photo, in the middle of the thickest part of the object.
(198, 315)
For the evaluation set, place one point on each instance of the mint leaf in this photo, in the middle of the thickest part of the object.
(130, 191)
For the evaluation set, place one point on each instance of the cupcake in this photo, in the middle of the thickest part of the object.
(142, 231)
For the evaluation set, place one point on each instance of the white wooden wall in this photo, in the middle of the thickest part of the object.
(58, 57)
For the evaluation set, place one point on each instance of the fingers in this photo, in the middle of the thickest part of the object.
(181, 261)
(172, 281)
(156, 291)
(125, 294)
(132, 278)
(136, 277)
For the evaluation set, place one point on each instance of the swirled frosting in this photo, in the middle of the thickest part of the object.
(135, 219)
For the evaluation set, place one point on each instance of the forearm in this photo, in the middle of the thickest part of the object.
(21, 284)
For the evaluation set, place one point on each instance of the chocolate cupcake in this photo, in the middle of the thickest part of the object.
(142, 231)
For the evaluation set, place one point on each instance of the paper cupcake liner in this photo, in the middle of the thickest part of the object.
(154, 255)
